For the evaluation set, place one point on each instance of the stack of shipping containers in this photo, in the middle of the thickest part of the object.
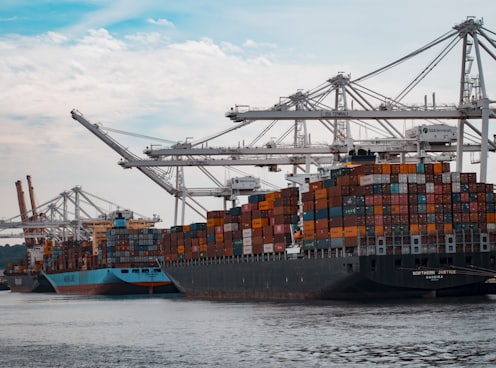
(263, 225)
(398, 203)
(395, 204)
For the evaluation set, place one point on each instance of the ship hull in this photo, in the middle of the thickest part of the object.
(33, 283)
(112, 281)
(353, 277)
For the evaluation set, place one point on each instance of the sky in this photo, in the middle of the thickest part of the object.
(171, 69)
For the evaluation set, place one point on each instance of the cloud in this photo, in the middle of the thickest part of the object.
(10, 19)
(161, 22)
(254, 44)
(141, 82)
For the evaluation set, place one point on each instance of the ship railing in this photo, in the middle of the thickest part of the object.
(387, 244)
(431, 243)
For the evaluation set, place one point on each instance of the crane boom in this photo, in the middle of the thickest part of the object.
(23, 212)
(31, 198)
(123, 152)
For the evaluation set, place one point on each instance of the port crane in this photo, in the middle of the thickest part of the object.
(474, 102)
(238, 186)
(339, 107)
(73, 215)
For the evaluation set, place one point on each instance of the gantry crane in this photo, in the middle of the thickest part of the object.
(163, 178)
(68, 216)
(352, 105)
(474, 102)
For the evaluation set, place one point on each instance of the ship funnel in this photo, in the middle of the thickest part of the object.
(119, 221)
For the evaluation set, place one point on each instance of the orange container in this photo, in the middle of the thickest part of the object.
(431, 228)
(259, 222)
(315, 185)
(350, 231)
(491, 217)
(379, 229)
(336, 232)
(414, 229)
(386, 168)
(308, 226)
(395, 209)
(272, 195)
(321, 193)
(362, 230)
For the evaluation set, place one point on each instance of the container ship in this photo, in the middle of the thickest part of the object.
(128, 261)
(4, 284)
(26, 277)
(364, 231)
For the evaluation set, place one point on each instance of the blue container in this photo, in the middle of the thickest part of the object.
(308, 244)
(176, 229)
(431, 218)
(377, 188)
(386, 209)
(395, 188)
(349, 210)
(235, 211)
(335, 211)
(321, 214)
(456, 197)
(322, 243)
(255, 198)
(369, 210)
(308, 215)
(238, 250)
(198, 226)
(328, 183)
(337, 242)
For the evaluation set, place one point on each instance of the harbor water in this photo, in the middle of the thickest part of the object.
(49, 330)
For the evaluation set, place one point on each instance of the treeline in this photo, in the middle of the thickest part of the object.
(11, 254)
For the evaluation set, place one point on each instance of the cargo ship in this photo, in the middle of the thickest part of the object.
(4, 285)
(108, 281)
(128, 261)
(365, 231)
(26, 277)
(34, 282)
